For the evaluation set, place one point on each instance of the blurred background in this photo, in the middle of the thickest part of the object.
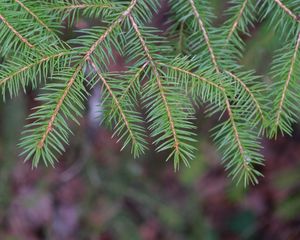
(96, 192)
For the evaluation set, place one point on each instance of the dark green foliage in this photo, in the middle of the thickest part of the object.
(191, 63)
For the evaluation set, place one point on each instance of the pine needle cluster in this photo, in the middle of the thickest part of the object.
(168, 74)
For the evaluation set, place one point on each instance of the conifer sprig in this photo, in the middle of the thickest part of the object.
(159, 84)
(41, 148)
(287, 97)
(126, 118)
(168, 74)
(19, 70)
(15, 32)
(287, 10)
(237, 19)
(33, 15)
(205, 35)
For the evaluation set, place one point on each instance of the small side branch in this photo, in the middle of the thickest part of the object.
(25, 68)
(236, 132)
(80, 6)
(110, 29)
(205, 34)
(247, 89)
(131, 83)
(287, 10)
(133, 80)
(159, 83)
(23, 39)
(33, 15)
(236, 22)
(237, 138)
(78, 69)
(58, 106)
(287, 82)
(115, 99)
(193, 75)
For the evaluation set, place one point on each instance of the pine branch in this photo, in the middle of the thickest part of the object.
(287, 10)
(133, 81)
(251, 94)
(117, 103)
(33, 15)
(20, 69)
(236, 133)
(205, 34)
(236, 22)
(11, 28)
(49, 128)
(71, 81)
(167, 86)
(194, 76)
(80, 6)
(287, 83)
(159, 83)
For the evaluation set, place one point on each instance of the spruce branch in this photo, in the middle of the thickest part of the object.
(284, 93)
(160, 86)
(245, 159)
(232, 136)
(287, 10)
(167, 86)
(251, 94)
(58, 106)
(79, 67)
(205, 34)
(11, 28)
(48, 130)
(25, 68)
(18, 71)
(281, 16)
(60, 103)
(79, 6)
(237, 20)
(210, 48)
(33, 15)
(72, 10)
(241, 165)
(193, 75)
(136, 140)
(110, 29)
(133, 80)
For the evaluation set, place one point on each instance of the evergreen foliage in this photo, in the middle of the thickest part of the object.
(169, 73)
